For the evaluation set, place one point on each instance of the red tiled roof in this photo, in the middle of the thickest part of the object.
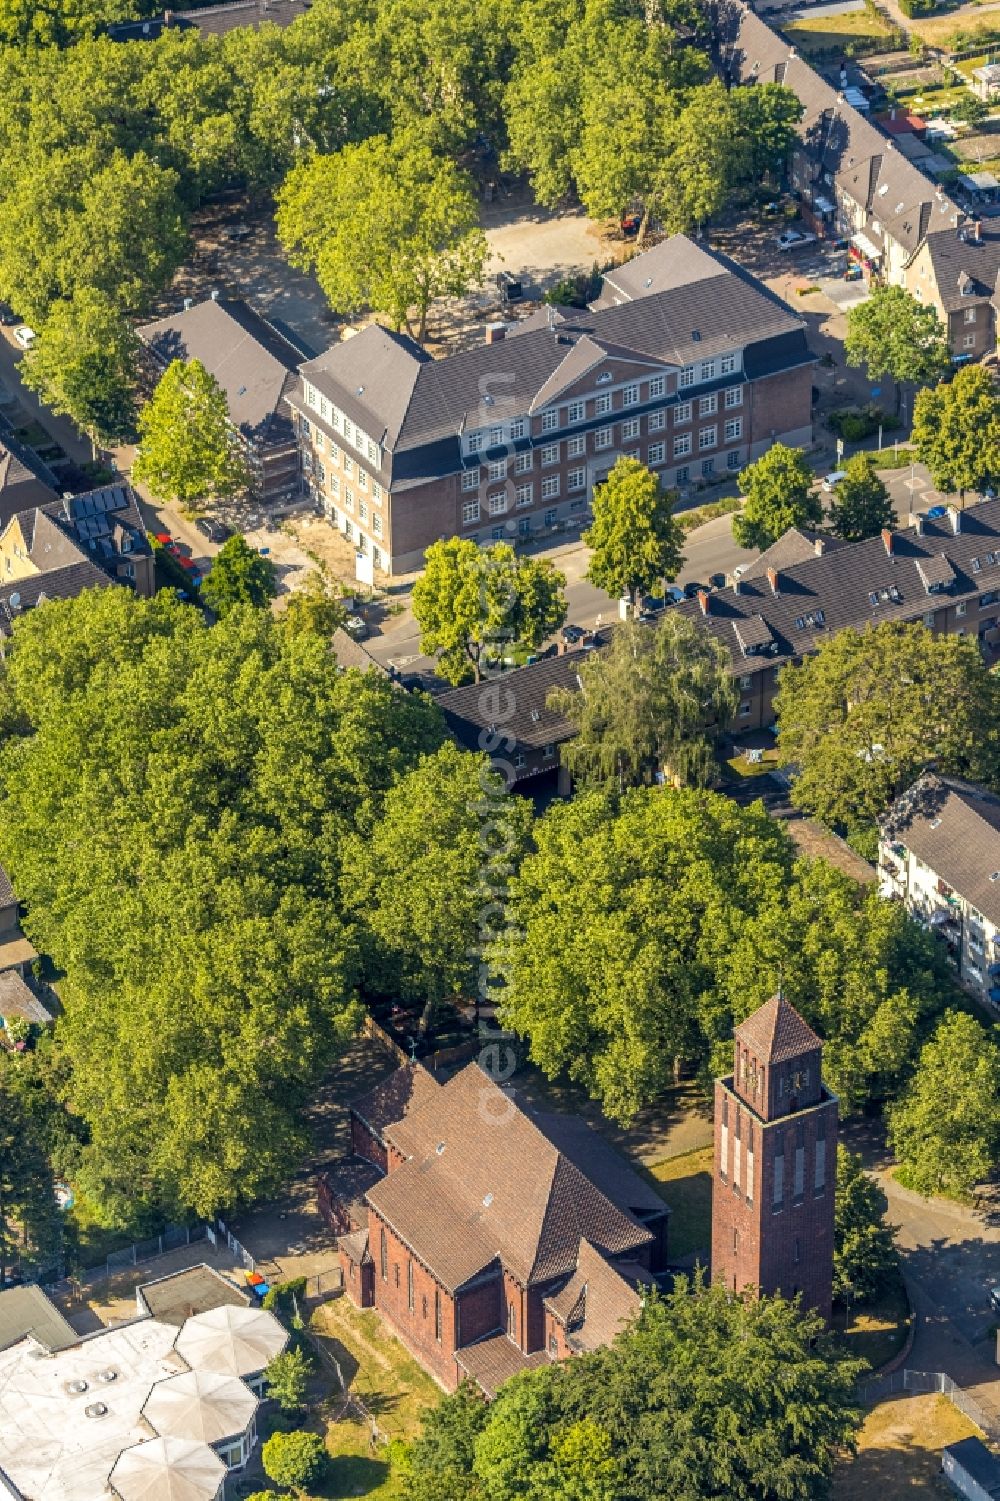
(393, 1099)
(776, 1032)
(490, 1362)
(597, 1299)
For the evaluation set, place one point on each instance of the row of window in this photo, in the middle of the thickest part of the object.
(351, 470)
(708, 437)
(410, 1300)
(342, 424)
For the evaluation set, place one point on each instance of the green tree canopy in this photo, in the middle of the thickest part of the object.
(654, 699)
(766, 116)
(83, 365)
(439, 1462)
(956, 430)
(864, 1253)
(469, 599)
(421, 236)
(423, 874)
(946, 1128)
(173, 814)
(287, 1377)
(239, 575)
(778, 492)
(861, 506)
(29, 1229)
(314, 607)
(634, 540)
(865, 714)
(893, 334)
(297, 1459)
(188, 451)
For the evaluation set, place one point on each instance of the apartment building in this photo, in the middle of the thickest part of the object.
(956, 274)
(939, 854)
(685, 362)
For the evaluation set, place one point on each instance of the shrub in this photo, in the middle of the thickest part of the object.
(297, 1459)
(856, 423)
(911, 8)
(281, 1297)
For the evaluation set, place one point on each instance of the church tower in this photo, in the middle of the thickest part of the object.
(775, 1163)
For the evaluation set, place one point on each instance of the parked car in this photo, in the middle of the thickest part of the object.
(833, 479)
(794, 239)
(215, 531)
(572, 634)
(630, 225)
(356, 627)
(672, 595)
(8, 317)
(25, 336)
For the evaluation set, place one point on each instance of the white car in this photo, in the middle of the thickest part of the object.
(792, 239)
(24, 336)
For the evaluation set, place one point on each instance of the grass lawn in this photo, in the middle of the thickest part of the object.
(686, 1184)
(739, 767)
(899, 1453)
(982, 22)
(891, 458)
(817, 33)
(356, 1469)
(878, 1330)
(933, 101)
(376, 1367)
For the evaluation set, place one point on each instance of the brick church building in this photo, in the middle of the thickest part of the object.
(775, 1164)
(491, 1240)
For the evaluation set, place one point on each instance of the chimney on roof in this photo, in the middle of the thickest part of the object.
(737, 586)
(772, 579)
(187, 303)
(955, 517)
(917, 522)
(704, 600)
(496, 333)
(215, 294)
(819, 546)
(887, 541)
(977, 231)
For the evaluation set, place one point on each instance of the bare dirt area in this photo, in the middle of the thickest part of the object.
(112, 1300)
(899, 1453)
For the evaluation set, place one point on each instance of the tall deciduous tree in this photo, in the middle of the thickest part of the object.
(239, 575)
(861, 506)
(956, 431)
(946, 1128)
(766, 116)
(188, 451)
(29, 1231)
(386, 224)
(778, 493)
(655, 699)
(297, 1459)
(864, 715)
(83, 365)
(469, 599)
(420, 876)
(634, 540)
(864, 1253)
(314, 607)
(893, 334)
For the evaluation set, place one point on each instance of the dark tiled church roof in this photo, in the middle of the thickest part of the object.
(776, 1032)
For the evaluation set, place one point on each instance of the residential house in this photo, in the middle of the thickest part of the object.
(495, 1240)
(24, 480)
(254, 363)
(939, 853)
(18, 1002)
(141, 1410)
(80, 542)
(16, 953)
(212, 20)
(685, 362)
(852, 180)
(956, 274)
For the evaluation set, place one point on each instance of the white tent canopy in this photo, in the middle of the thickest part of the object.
(168, 1469)
(201, 1405)
(231, 1341)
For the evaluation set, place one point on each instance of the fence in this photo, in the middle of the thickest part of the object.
(378, 1034)
(238, 1249)
(142, 1250)
(871, 1392)
(323, 1286)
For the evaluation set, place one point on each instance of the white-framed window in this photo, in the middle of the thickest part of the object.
(319, 440)
(727, 364)
(550, 420)
(685, 378)
(707, 371)
(707, 468)
(524, 527)
(496, 534)
(655, 453)
(657, 386)
(362, 478)
(708, 405)
(576, 479)
(377, 525)
(746, 681)
(496, 436)
(348, 529)
(576, 447)
(470, 512)
(970, 315)
(348, 430)
(734, 429)
(656, 422)
(576, 411)
(517, 428)
(362, 511)
(305, 426)
(734, 396)
(470, 479)
(334, 485)
(707, 437)
(733, 459)
(630, 395)
(969, 342)
(929, 619)
(603, 437)
(682, 445)
(630, 428)
(377, 492)
(961, 607)
(377, 556)
(550, 487)
(334, 452)
(312, 396)
(523, 463)
(682, 413)
(524, 495)
(320, 472)
(602, 403)
(682, 476)
(550, 517)
(337, 420)
(497, 469)
(349, 497)
(348, 465)
(550, 455)
(371, 449)
(498, 503)
(474, 442)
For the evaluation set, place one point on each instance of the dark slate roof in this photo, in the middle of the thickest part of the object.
(675, 262)
(603, 1164)
(954, 828)
(978, 1462)
(797, 545)
(16, 999)
(387, 385)
(214, 20)
(355, 1246)
(351, 653)
(254, 364)
(347, 1181)
(492, 1361)
(24, 479)
(63, 583)
(26, 1310)
(7, 897)
(482, 1184)
(99, 522)
(776, 1033)
(959, 259)
(596, 1300)
(523, 693)
(857, 585)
